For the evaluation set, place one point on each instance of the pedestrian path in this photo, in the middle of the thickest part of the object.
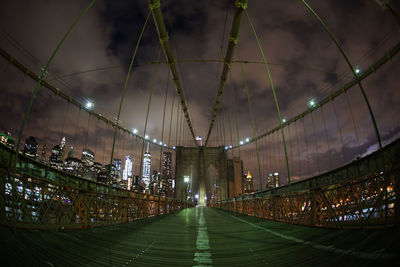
(200, 236)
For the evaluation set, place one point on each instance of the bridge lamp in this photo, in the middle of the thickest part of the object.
(312, 103)
(134, 130)
(160, 143)
(154, 140)
(247, 139)
(357, 70)
(241, 142)
(173, 147)
(146, 137)
(230, 146)
(283, 120)
(89, 105)
(226, 147)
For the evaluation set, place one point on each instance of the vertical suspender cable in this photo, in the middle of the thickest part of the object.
(253, 123)
(123, 95)
(322, 23)
(276, 103)
(163, 120)
(147, 113)
(170, 120)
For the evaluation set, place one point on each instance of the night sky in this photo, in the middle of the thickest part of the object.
(303, 61)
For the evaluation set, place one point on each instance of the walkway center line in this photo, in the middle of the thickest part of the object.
(365, 255)
(202, 257)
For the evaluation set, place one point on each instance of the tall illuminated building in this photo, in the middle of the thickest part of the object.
(87, 163)
(62, 149)
(146, 167)
(166, 171)
(55, 161)
(127, 172)
(87, 157)
(117, 164)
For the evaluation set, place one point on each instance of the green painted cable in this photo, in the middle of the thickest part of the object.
(253, 123)
(275, 99)
(322, 23)
(123, 95)
(44, 73)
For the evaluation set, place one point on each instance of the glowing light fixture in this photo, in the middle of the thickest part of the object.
(146, 137)
(134, 130)
(241, 142)
(247, 139)
(89, 105)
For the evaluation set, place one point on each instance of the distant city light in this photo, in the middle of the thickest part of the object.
(89, 105)
(241, 142)
(186, 179)
(196, 196)
(205, 198)
(275, 173)
(135, 131)
(230, 146)
(160, 143)
(247, 139)
(283, 120)
(165, 145)
(173, 147)
(154, 140)
(146, 137)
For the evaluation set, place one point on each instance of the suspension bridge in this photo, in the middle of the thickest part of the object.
(315, 185)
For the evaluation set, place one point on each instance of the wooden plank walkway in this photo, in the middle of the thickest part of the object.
(200, 236)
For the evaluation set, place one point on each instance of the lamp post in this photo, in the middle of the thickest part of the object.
(186, 179)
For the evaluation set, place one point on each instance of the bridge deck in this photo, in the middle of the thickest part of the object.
(200, 236)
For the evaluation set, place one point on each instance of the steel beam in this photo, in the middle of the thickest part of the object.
(155, 8)
(241, 6)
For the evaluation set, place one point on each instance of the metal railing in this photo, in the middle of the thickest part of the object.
(362, 194)
(35, 195)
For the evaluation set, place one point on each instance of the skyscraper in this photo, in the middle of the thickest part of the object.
(62, 149)
(87, 163)
(166, 170)
(55, 161)
(87, 157)
(146, 167)
(127, 173)
(30, 148)
(117, 164)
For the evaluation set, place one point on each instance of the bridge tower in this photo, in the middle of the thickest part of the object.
(197, 164)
